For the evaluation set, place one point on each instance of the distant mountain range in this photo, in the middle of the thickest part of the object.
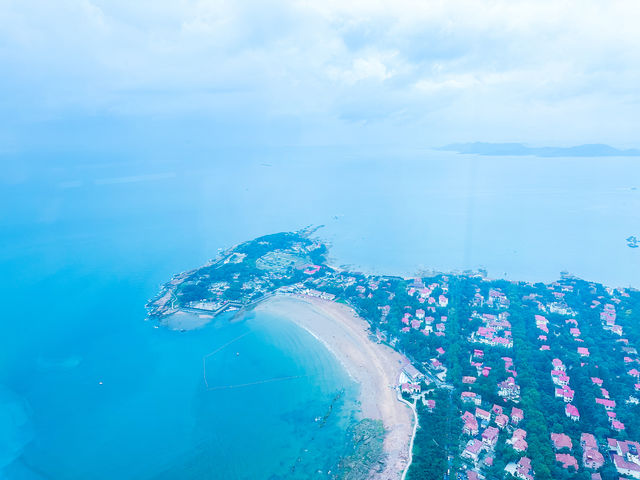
(519, 149)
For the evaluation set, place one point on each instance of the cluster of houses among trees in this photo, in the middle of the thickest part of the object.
(513, 379)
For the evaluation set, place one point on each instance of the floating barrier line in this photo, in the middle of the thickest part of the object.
(204, 359)
(259, 382)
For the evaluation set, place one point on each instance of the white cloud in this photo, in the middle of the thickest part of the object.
(497, 67)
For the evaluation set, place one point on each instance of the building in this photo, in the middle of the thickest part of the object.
(567, 461)
(606, 403)
(509, 389)
(472, 450)
(561, 441)
(410, 388)
(412, 373)
(572, 412)
(592, 458)
(502, 421)
(470, 426)
(490, 437)
(626, 467)
(625, 457)
(471, 397)
(583, 352)
(516, 415)
(565, 393)
(523, 469)
(518, 441)
(483, 415)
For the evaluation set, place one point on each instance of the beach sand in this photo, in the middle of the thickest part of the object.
(375, 367)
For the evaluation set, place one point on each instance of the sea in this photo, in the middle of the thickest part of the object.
(89, 389)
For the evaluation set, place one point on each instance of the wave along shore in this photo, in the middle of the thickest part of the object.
(374, 366)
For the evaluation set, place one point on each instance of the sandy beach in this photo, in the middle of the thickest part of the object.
(375, 367)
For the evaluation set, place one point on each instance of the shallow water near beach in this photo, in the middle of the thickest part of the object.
(253, 398)
(87, 240)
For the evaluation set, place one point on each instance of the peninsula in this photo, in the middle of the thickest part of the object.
(452, 365)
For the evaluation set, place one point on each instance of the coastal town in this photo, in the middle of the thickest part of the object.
(508, 379)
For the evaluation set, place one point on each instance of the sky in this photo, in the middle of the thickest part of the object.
(80, 73)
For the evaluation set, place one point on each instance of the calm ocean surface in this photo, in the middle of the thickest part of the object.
(84, 242)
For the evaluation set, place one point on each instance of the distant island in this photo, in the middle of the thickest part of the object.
(519, 149)
(470, 377)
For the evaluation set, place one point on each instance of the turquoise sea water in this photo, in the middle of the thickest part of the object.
(130, 401)
(85, 241)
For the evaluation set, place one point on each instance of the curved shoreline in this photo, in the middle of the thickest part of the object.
(374, 366)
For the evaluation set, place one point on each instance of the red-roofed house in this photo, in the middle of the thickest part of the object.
(608, 404)
(617, 425)
(470, 424)
(502, 421)
(516, 415)
(509, 389)
(443, 301)
(483, 414)
(520, 445)
(565, 393)
(559, 377)
(626, 467)
(518, 441)
(523, 469)
(472, 475)
(597, 381)
(411, 388)
(583, 351)
(490, 437)
(571, 411)
(592, 458)
(561, 441)
(587, 440)
(473, 449)
(567, 460)
(471, 397)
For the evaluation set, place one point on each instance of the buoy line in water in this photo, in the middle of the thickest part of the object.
(258, 382)
(204, 359)
(238, 385)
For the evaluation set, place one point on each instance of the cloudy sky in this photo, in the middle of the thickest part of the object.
(330, 72)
